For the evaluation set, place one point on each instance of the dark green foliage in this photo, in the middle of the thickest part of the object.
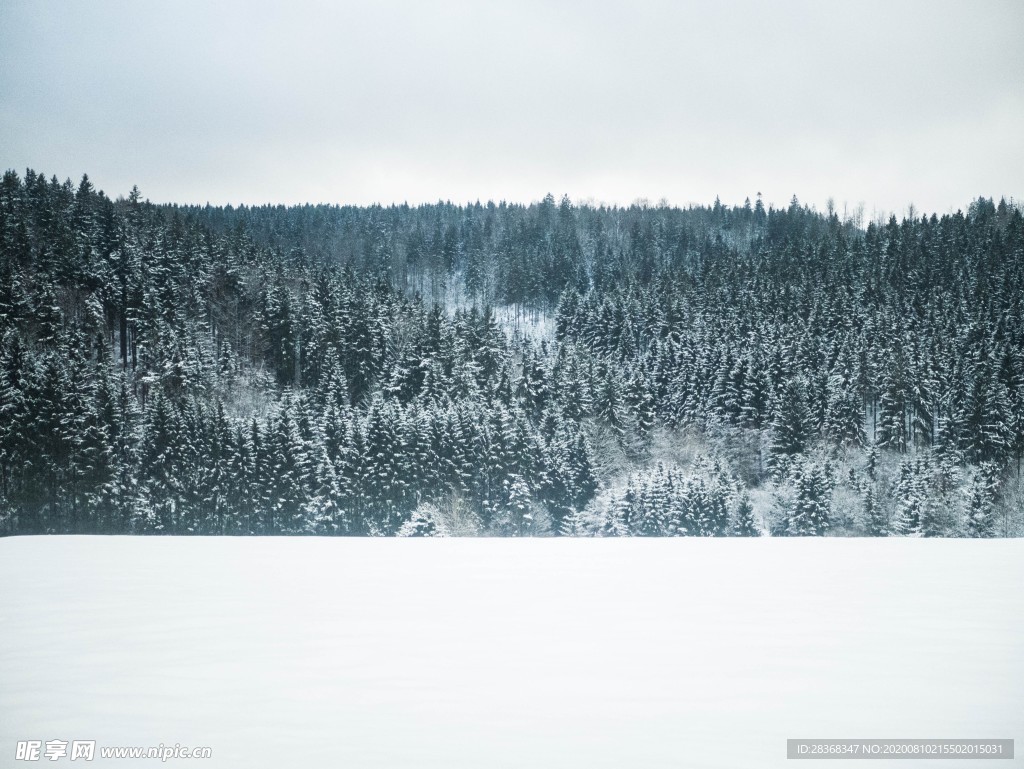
(792, 424)
(667, 502)
(743, 521)
(810, 512)
(980, 508)
(875, 523)
(295, 370)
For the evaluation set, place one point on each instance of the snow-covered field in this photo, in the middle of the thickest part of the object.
(296, 653)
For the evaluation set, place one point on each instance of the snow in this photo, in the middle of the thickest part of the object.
(507, 653)
(520, 322)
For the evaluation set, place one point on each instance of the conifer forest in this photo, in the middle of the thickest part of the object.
(552, 369)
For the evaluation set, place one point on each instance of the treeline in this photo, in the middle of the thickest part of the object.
(507, 254)
(338, 370)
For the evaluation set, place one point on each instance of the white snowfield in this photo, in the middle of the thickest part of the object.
(472, 653)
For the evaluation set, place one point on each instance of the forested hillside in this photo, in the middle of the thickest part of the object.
(506, 369)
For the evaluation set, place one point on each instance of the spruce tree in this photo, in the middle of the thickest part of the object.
(810, 514)
(743, 524)
(980, 508)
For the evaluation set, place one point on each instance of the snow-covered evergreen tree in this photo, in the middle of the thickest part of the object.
(811, 513)
(178, 369)
(743, 524)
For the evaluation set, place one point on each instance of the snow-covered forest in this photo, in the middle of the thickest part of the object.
(550, 369)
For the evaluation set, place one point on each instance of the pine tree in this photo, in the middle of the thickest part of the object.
(892, 428)
(844, 412)
(610, 404)
(980, 510)
(811, 512)
(910, 500)
(744, 524)
(642, 508)
(791, 426)
(986, 415)
(323, 511)
(641, 404)
(159, 509)
(137, 343)
(519, 506)
(876, 524)
(288, 473)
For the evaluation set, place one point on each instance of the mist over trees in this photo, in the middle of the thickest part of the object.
(506, 369)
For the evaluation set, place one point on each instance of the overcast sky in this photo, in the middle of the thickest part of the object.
(881, 103)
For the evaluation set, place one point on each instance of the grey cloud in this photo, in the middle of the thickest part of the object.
(238, 102)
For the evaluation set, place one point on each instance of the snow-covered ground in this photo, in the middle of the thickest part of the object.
(295, 653)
